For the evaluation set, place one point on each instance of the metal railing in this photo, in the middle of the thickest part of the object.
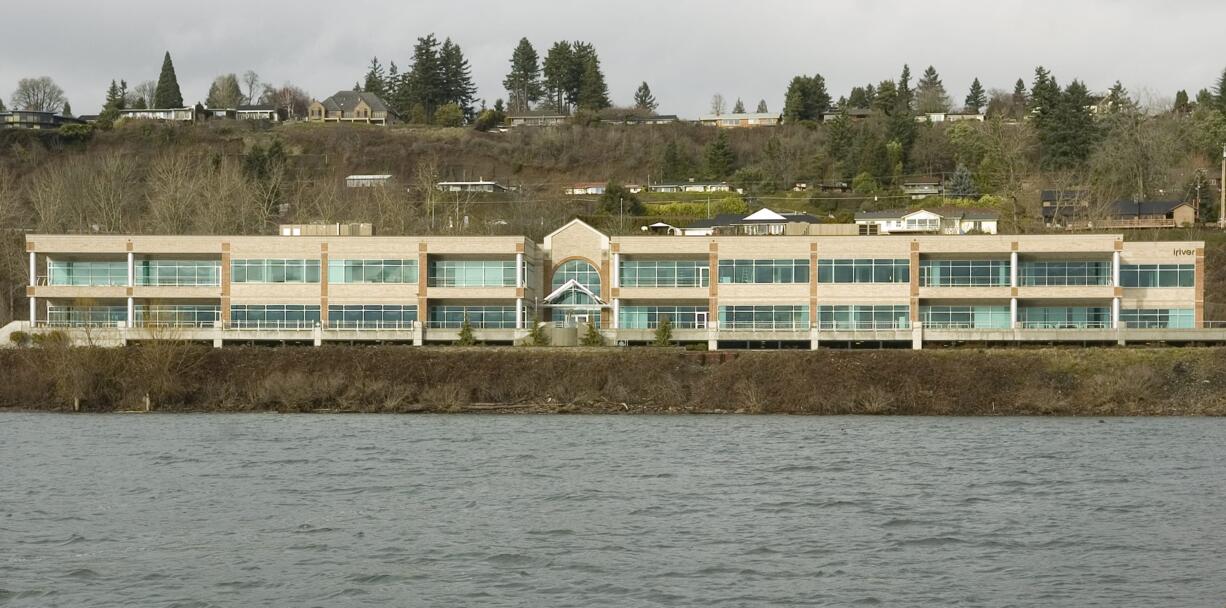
(863, 325)
(1065, 325)
(763, 325)
(359, 326)
(271, 325)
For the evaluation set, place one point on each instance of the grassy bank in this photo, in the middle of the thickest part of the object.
(1089, 382)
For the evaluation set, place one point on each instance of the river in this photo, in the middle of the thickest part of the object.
(365, 510)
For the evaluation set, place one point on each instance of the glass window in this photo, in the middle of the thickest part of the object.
(87, 316)
(764, 317)
(371, 316)
(178, 272)
(1159, 318)
(280, 316)
(274, 271)
(488, 317)
(372, 271)
(472, 273)
(582, 272)
(964, 273)
(764, 271)
(890, 270)
(87, 273)
(1063, 273)
(649, 317)
(177, 315)
(864, 316)
(965, 317)
(1157, 275)
(1064, 317)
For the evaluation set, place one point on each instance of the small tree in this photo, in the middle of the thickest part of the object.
(738, 107)
(592, 337)
(449, 115)
(537, 336)
(617, 200)
(664, 333)
(762, 106)
(643, 99)
(962, 184)
(720, 159)
(466, 333)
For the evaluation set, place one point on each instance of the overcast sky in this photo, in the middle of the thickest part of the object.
(687, 50)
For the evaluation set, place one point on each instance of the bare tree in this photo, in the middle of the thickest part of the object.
(718, 105)
(294, 100)
(252, 80)
(145, 91)
(174, 186)
(38, 95)
(111, 192)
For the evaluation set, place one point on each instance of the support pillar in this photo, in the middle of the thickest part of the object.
(917, 336)
(33, 284)
(317, 335)
(813, 338)
(1115, 312)
(1013, 269)
(519, 313)
(713, 335)
(131, 312)
(616, 310)
(521, 275)
(419, 333)
(1013, 313)
(217, 342)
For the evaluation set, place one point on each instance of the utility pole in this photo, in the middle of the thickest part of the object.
(1221, 186)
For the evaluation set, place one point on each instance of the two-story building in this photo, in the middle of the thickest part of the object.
(742, 120)
(937, 220)
(352, 107)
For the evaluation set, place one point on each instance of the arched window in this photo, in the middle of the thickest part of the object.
(582, 272)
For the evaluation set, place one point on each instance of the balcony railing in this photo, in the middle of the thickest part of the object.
(1065, 325)
(863, 325)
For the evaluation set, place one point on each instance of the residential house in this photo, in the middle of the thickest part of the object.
(1060, 207)
(188, 114)
(267, 112)
(922, 188)
(835, 186)
(537, 120)
(949, 117)
(352, 107)
(744, 119)
(658, 119)
(480, 185)
(937, 220)
(26, 119)
(585, 188)
(1138, 214)
(691, 186)
(855, 114)
(764, 222)
(367, 181)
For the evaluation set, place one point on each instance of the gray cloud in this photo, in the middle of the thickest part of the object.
(686, 50)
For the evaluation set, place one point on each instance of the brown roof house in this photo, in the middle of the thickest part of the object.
(352, 106)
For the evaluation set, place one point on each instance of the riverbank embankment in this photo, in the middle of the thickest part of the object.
(173, 377)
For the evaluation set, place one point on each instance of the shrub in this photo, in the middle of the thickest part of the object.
(19, 338)
(466, 333)
(664, 333)
(592, 336)
(537, 336)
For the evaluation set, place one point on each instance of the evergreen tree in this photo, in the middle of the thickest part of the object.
(1044, 97)
(1221, 93)
(886, 98)
(115, 100)
(976, 98)
(1182, 105)
(556, 70)
(424, 85)
(456, 78)
(858, 98)
(762, 107)
(664, 332)
(523, 82)
(225, 92)
(1204, 99)
(1117, 100)
(2, 108)
(1067, 133)
(806, 99)
(537, 336)
(592, 92)
(930, 93)
(1020, 100)
(720, 159)
(392, 82)
(375, 79)
(168, 94)
(671, 164)
(643, 99)
(66, 110)
(738, 107)
(962, 184)
(819, 97)
(906, 97)
(618, 200)
(591, 336)
(466, 333)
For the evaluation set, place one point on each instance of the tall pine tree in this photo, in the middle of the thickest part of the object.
(167, 94)
(906, 97)
(930, 95)
(375, 79)
(588, 88)
(976, 98)
(643, 99)
(762, 107)
(719, 155)
(1220, 97)
(457, 78)
(556, 70)
(738, 107)
(1020, 99)
(523, 82)
(423, 90)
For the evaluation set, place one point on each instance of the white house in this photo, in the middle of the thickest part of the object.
(367, 181)
(477, 186)
(939, 220)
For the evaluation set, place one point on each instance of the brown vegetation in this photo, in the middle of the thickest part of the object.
(176, 377)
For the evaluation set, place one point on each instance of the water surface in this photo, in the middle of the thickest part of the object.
(364, 510)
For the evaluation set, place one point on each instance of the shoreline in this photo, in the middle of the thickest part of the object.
(170, 377)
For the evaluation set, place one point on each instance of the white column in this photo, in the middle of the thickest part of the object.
(519, 313)
(131, 269)
(521, 276)
(616, 311)
(33, 309)
(1013, 269)
(1115, 269)
(33, 269)
(1115, 312)
(1013, 313)
(616, 272)
(131, 312)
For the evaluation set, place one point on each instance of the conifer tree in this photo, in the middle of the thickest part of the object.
(537, 336)
(591, 336)
(664, 332)
(719, 155)
(962, 184)
(1182, 105)
(930, 93)
(168, 94)
(66, 110)
(456, 77)
(424, 80)
(643, 99)
(1221, 93)
(556, 70)
(738, 107)
(592, 92)
(906, 97)
(976, 98)
(225, 92)
(375, 78)
(523, 82)
(2, 109)
(1020, 99)
(671, 165)
(762, 107)
(466, 337)
(115, 100)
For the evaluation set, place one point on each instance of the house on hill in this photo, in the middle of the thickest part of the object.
(741, 120)
(353, 107)
(937, 220)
